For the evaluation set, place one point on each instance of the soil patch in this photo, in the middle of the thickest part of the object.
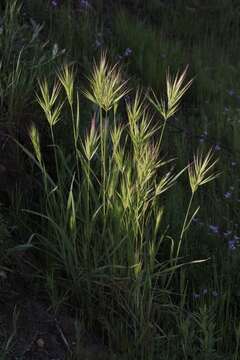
(29, 330)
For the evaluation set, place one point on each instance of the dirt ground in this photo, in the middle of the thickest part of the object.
(34, 332)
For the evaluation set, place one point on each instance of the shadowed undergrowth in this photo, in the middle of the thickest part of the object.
(115, 220)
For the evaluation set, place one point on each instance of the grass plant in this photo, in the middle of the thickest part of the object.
(112, 223)
(101, 216)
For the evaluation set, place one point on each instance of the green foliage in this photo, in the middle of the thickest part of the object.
(107, 222)
(101, 217)
(4, 241)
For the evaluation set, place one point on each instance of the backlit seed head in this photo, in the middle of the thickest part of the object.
(200, 170)
(35, 139)
(106, 85)
(47, 101)
(175, 91)
(90, 145)
(66, 77)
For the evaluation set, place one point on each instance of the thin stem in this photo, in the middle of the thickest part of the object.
(185, 223)
(75, 136)
(55, 154)
(174, 263)
(103, 156)
(88, 200)
(162, 132)
(73, 126)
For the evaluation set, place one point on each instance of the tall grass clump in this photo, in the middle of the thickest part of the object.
(99, 225)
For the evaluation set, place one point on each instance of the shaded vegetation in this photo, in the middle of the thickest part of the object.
(103, 212)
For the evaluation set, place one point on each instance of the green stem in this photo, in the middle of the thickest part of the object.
(103, 157)
(88, 200)
(162, 132)
(185, 223)
(174, 263)
(55, 154)
(75, 136)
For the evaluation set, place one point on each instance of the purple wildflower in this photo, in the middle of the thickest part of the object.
(55, 3)
(203, 136)
(227, 233)
(84, 4)
(98, 43)
(217, 147)
(196, 296)
(214, 293)
(214, 228)
(227, 195)
(232, 244)
(127, 52)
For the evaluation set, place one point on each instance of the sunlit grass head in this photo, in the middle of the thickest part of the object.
(200, 170)
(175, 91)
(135, 108)
(35, 139)
(106, 85)
(90, 144)
(66, 77)
(47, 101)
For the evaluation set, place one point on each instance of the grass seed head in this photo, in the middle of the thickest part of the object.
(35, 139)
(106, 85)
(135, 109)
(200, 170)
(66, 77)
(47, 102)
(90, 145)
(175, 91)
